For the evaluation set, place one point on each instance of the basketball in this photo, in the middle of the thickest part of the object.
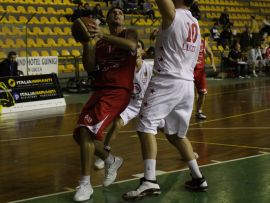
(82, 27)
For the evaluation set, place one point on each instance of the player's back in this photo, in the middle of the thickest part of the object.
(177, 47)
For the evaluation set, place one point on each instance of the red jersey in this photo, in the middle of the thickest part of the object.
(115, 65)
(267, 53)
(200, 63)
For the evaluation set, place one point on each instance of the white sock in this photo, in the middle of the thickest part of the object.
(194, 168)
(109, 160)
(85, 179)
(107, 148)
(150, 169)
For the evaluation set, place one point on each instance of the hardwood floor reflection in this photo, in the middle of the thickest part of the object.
(38, 155)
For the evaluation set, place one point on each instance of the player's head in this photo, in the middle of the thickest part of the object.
(236, 45)
(187, 3)
(140, 49)
(12, 56)
(115, 17)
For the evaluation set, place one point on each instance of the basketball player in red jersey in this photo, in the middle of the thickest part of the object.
(200, 76)
(114, 59)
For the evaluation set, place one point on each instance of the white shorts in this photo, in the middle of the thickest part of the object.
(131, 111)
(168, 99)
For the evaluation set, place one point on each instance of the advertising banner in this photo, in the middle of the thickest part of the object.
(30, 92)
(38, 65)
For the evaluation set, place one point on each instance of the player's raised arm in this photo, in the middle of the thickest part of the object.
(89, 56)
(167, 11)
(128, 43)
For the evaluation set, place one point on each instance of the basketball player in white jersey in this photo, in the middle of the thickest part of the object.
(170, 95)
(142, 76)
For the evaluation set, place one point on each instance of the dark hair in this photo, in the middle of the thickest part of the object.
(12, 53)
(188, 2)
(112, 9)
(141, 42)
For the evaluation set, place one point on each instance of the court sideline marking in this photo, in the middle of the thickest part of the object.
(218, 119)
(131, 179)
(192, 124)
(215, 143)
(234, 116)
(132, 131)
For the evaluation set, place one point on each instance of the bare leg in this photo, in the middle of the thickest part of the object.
(198, 183)
(183, 146)
(114, 130)
(87, 149)
(100, 147)
(100, 151)
(149, 153)
(254, 70)
(148, 145)
(200, 101)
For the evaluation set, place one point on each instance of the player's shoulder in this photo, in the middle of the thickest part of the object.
(184, 17)
(184, 14)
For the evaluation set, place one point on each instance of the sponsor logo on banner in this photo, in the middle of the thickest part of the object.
(38, 65)
(16, 96)
(28, 89)
(11, 82)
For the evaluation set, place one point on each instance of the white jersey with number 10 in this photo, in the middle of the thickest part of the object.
(177, 50)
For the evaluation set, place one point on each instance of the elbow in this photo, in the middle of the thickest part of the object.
(88, 65)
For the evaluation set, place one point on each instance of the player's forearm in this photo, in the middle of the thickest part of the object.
(121, 42)
(212, 59)
(88, 56)
(266, 23)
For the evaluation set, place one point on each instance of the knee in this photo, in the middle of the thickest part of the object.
(202, 92)
(84, 135)
(119, 123)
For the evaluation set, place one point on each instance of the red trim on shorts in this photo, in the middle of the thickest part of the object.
(101, 109)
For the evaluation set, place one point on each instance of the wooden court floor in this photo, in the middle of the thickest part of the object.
(39, 157)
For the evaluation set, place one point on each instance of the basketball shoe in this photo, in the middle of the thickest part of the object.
(200, 115)
(145, 189)
(83, 192)
(197, 184)
(111, 171)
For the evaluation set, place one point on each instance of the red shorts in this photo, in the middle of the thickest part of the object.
(200, 80)
(101, 109)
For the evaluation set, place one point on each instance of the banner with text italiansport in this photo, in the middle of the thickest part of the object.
(30, 92)
(38, 65)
